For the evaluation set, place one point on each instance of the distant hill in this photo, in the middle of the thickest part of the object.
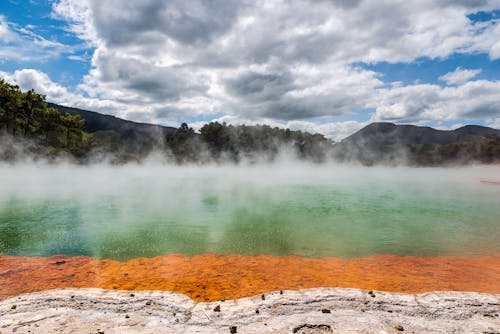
(383, 134)
(133, 140)
(95, 122)
(32, 128)
(388, 142)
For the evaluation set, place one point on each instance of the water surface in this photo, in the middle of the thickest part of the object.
(144, 211)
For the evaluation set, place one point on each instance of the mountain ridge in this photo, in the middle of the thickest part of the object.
(384, 142)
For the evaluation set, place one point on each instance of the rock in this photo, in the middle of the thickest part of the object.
(148, 303)
(217, 308)
(233, 329)
(132, 295)
(399, 327)
(309, 328)
(263, 297)
(257, 311)
(371, 294)
(127, 316)
(13, 307)
(325, 310)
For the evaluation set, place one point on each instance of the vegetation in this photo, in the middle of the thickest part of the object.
(31, 126)
(484, 150)
(223, 142)
(26, 115)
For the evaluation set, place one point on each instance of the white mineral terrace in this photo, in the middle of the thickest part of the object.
(307, 311)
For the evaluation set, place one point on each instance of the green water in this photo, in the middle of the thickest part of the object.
(130, 212)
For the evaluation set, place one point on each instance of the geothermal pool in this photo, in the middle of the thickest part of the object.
(215, 220)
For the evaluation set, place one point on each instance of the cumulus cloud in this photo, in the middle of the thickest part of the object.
(459, 76)
(28, 79)
(472, 100)
(282, 62)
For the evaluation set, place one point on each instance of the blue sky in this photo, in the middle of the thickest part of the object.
(321, 66)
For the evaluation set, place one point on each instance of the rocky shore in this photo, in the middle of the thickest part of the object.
(308, 311)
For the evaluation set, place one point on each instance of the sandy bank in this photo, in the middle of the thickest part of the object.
(306, 311)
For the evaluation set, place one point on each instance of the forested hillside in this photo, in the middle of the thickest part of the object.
(27, 123)
(31, 126)
(420, 145)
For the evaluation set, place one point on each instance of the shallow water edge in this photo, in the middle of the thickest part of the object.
(211, 277)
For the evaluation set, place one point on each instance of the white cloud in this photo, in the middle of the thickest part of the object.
(330, 129)
(23, 44)
(279, 62)
(459, 76)
(6, 34)
(285, 60)
(472, 100)
(28, 79)
(494, 123)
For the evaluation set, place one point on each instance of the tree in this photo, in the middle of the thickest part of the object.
(31, 108)
(72, 123)
(10, 99)
(184, 144)
(49, 121)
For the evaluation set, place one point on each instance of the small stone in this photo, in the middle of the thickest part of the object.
(263, 297)
(148, 303)
(325, 310)
(100, 331)
(233, 329)
(127, 316)
(72, 297)
(281, 292)
(257, 311)
(399, 327)
(13, 307)
(132, 295)
(217, 308)
(371, 294)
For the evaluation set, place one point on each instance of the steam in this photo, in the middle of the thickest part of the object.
(285, 207)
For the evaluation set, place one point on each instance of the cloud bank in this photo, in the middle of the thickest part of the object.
(295, 63)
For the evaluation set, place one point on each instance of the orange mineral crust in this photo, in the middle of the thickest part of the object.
(212, 277)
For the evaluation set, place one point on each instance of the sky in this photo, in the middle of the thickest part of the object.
(327, 66)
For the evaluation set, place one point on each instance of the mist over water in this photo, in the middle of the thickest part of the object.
(281, 209)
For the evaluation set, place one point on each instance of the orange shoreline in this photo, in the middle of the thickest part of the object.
(212, 277)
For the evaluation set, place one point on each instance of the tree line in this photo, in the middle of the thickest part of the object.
(50, 132)
(225, 142)
(26, 114)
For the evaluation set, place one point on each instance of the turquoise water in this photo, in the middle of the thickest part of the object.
(136, 211)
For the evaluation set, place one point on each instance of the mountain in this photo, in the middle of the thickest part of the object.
(29, 127)
(132, 140)
(95, 122)
(383, 134)
(388, 142)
